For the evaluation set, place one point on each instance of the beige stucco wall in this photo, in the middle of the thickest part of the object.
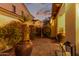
(70, 17)
(77, 29)
(70, 24)
(68, 14)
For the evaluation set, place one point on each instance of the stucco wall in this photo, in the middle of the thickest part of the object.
(77, 28)
(70, 24)
(70, 17)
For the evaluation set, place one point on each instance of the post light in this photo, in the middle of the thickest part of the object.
(52, 22)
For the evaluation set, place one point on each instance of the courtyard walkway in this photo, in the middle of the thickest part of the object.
(44, 47)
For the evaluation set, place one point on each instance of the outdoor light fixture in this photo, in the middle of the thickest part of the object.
(52, 22)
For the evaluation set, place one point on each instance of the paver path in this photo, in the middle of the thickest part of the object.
(44, 47)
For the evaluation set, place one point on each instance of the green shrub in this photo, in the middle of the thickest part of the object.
(46, 31)
(11, 33)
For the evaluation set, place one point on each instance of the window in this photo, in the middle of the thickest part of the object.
(61, 23)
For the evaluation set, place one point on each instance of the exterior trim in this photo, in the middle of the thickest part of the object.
(10, 14)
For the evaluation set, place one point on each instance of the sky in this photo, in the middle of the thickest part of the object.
(39, 10)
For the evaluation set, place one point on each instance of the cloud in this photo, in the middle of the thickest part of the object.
(43, 12)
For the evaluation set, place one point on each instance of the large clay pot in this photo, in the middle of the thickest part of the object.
(24, 49)
(60, 37)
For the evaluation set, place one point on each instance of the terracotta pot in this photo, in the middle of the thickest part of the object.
(60, 38)
(24, 48)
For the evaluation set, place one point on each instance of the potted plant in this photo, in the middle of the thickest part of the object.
(60, 37)
(24, 47)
